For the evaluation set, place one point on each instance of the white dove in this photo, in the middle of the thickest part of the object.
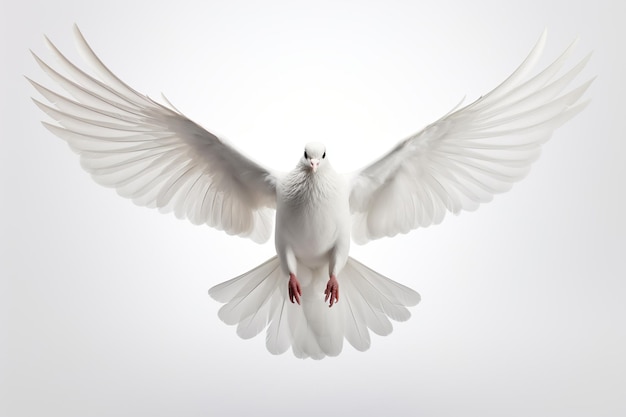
(154, 155)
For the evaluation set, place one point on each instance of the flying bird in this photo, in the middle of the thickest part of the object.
(154, 155)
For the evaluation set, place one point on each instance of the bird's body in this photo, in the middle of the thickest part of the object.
(157, 157)
(313, 217)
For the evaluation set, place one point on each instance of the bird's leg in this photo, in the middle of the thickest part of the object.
(294, 288)
(289, 266)
(338, 258)
(332, 290)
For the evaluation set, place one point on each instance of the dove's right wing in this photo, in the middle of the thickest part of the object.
(155, 155)
(467, 156)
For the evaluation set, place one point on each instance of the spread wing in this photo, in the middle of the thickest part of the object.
(467, 156)
(153, 154)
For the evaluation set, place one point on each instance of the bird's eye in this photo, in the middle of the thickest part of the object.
(324, 156)
(306, 155)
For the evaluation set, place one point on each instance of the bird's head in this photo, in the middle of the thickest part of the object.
(314, 156)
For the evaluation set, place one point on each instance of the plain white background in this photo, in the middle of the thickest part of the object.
(104, 305)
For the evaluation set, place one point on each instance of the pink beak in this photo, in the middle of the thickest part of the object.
(314, 164)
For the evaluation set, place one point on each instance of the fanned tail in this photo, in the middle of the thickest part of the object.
(258, 300)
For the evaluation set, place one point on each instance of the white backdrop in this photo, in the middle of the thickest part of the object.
(104, 304)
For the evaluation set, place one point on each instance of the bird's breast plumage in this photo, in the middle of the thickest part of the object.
(312, 212)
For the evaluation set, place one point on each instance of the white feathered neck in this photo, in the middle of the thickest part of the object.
(302, 185)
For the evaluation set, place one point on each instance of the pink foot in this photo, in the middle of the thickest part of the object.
(332, 291)
(294, 289)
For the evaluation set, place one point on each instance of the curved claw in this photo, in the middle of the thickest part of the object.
(332, 291)
(294, 289)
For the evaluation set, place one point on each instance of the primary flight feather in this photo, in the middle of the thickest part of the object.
(154, 155)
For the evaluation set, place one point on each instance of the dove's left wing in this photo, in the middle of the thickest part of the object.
(467, 156)
(155, 155)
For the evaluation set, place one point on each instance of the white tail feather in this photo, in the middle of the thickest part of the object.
(258, 299)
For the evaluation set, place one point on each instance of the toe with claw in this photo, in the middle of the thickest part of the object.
(295, 292)
(332, 291)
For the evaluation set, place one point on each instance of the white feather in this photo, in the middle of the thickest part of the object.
(466, 157)
(154, 155)
(257, 300)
